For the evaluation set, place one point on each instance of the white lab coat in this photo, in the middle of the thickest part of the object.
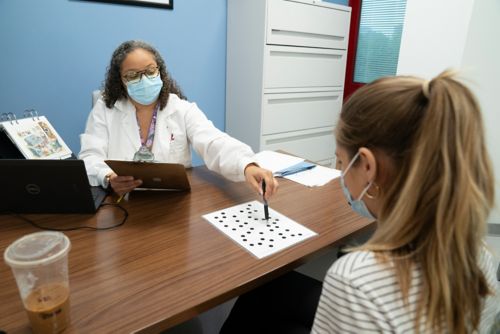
(114, 134)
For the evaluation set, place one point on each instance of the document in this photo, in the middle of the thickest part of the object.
(315, 177)
(275, 161)
(296, 169)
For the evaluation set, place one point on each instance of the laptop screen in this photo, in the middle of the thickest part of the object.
(47, 186)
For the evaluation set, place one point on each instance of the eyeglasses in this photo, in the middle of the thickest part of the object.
(136, 76)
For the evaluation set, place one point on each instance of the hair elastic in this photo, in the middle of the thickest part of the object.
(425, 88)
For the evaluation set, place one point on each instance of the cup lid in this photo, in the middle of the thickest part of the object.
(37, 249)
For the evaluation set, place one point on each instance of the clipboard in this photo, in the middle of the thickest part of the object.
(154, 175)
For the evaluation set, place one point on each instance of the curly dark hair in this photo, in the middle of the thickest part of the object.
(114, 88)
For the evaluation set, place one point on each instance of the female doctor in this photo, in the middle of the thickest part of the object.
(143, 114)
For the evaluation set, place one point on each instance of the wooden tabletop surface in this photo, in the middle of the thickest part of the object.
(167, 264)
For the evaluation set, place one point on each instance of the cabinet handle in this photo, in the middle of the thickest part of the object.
(305, 54)
(302, 99)
(291, 33)
(299, 137)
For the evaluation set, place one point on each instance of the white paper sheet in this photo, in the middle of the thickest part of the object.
(316, 176)
(275, 161)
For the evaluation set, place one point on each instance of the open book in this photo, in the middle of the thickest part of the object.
(34, 136)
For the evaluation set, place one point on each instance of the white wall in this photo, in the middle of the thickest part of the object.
(463, 35)
(481, 59)
(434, 36)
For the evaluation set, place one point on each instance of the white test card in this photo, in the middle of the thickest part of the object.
(245, 224)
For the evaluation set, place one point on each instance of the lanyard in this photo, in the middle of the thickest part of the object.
(148, 143)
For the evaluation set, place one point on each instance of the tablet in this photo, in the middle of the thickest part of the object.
(154, 175)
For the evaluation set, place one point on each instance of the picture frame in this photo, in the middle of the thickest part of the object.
(167, 4)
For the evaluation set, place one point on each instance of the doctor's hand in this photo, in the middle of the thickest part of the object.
(254, 176)
(123, 184)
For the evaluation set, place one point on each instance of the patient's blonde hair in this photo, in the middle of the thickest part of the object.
(438, 195)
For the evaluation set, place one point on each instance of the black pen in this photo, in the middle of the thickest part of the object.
(266, 206)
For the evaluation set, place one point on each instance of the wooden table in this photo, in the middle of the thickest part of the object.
(167, 264)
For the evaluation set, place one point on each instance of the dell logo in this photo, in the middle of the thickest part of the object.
(32, 189)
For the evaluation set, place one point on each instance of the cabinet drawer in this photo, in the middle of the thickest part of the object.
(314, 145)
(296, 111)
(292, 23)
(288, 67)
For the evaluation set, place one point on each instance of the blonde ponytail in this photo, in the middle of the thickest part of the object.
(435, 209)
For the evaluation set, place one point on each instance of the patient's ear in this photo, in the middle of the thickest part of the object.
(368, 163)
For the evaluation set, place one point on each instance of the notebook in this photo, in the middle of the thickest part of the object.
(34, 136)
(154, 175)
(47, 186)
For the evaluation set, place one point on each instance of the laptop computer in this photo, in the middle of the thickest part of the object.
(8, 150)
(47, 186)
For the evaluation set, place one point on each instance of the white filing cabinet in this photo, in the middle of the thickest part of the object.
(285, 74)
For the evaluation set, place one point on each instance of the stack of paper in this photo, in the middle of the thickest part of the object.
(280, 164)
(318, 176)
(275, 161)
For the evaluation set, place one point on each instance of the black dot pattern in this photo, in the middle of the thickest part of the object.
(247, 225)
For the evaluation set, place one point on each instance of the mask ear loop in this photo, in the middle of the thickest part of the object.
(365, 191)
(350, 164)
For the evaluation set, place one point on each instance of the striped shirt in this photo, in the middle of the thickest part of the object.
(361, 295)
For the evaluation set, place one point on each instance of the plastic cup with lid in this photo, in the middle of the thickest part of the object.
(39, 262)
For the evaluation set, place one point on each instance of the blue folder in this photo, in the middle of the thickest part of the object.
(294, 169)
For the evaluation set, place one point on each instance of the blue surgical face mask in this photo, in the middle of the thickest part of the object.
(356, 204)
(146, 90)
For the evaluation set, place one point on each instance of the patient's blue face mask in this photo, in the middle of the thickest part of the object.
(146, 90)
(356, 204)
